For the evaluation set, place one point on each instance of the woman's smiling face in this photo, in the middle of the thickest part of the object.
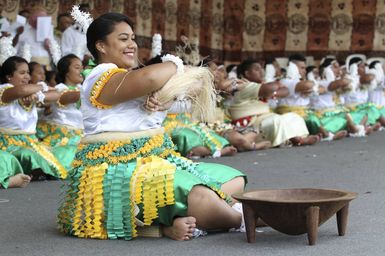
(20, 76)
(119, 47)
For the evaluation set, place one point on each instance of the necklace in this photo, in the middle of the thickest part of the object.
(25, 107)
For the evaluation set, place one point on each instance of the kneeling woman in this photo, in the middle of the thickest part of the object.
(64, 126)
(125, 164)
(18, 118)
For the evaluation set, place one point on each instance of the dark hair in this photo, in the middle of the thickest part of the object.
(63, 66)
(9, 67)
(297, 57)
(32, 66)
(230, 67)
(373, 63)
(24, 11)
(354, 60)
(65, 14)
(155, 60)
(101, 27)
(327, 62)
(49, 74)
(244, 66)
(84, 6)
(309, 69)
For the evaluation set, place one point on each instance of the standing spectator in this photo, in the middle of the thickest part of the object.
(3, 20)
(63, 21)
(40, 51)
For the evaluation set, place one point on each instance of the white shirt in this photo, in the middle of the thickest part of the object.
(323, 101)
(29, 37)
(14, 116)
(4, 24)
(377, 96)
(294, 98)
(129, 116)
(69, 114)
(74, 41)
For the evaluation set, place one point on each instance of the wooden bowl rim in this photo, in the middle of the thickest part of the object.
(347, 196)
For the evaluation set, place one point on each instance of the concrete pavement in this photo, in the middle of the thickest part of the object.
(27, 216)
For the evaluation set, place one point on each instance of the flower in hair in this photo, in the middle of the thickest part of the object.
(84, 19)
(156, 45)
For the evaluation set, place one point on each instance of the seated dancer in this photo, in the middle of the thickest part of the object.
(243, 138)
(325, 117)
(357, 99)
(247, 109)
(192, 139)
(64, 126)
(377, 95)
(301, 91)
(18, 118)
(126, 171)
(11, 172)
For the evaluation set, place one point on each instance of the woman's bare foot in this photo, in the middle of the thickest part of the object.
(262, 145)
(19, 181)
(376, 126)
(182, 229)
(199, 152)
(228, 151)
(368, 130)
(309, 140)
(340, 135)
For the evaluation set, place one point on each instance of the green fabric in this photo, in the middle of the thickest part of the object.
(116, 184)
(368, 109)
(9, 166)
(87, 71)
(56, 135)
(65, 155)
(187, 135)
(21, 147)
(331, 121)
(184, 181)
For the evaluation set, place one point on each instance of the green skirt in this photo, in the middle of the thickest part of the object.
(32, 155)
(360, 111)
(186, 135)
(115, 183)
(54, 135)
(9, 167)
(333, 121)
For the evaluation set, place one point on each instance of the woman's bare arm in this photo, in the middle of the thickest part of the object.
(69, 97)
(18, 92)
(122, 86)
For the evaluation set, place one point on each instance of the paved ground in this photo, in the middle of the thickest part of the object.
(27, 216)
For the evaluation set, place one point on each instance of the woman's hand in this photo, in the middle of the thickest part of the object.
(28, 100)
(153, 105)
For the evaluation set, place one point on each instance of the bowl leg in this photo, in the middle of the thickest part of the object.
(342, 219)
(312, 220)
(250, 222)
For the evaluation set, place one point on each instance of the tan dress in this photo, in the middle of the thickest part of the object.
(248, 110)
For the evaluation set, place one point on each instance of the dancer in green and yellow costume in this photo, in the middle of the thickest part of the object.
(18, 118)
(126, 172)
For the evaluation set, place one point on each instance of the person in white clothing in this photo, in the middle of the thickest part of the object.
(27, 42)
(64, 126)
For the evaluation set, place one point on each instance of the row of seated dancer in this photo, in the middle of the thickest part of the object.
(100, 130)
(258, 107)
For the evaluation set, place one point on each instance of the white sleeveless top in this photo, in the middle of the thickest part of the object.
(66, 115)
(14, 116)
(129, 116)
